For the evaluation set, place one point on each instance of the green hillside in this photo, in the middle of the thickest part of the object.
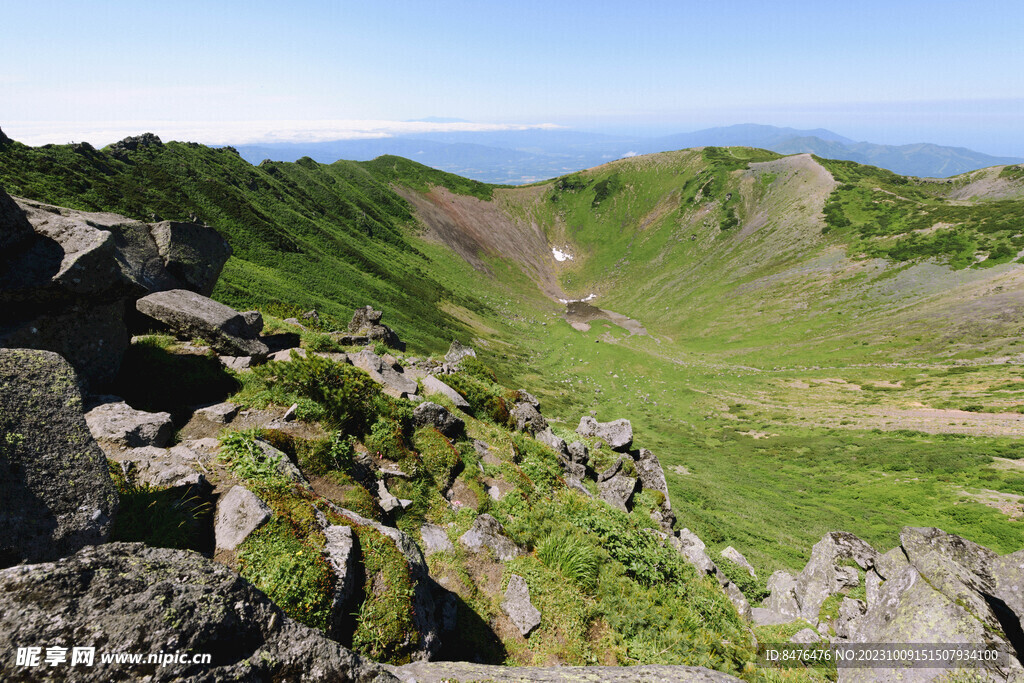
(807, 345)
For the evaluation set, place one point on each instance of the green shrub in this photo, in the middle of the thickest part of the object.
(238, 450)
(440, 458)
(386, 440)
(485, 398)
(347, 395)
(753, 589)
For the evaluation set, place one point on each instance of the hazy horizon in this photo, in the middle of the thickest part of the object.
(236, 73)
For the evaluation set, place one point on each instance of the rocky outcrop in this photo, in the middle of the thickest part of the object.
(239, 513)
(130, 597)
(432, 415)
(159, 467)
(69, 280)
(366, 323)
(824, 576)
(446, 672)
(518, 607)
(457, 352)
(190, 314)
(57, 491)
(618, 490)
(618, 434)
(736, 557)
(487, 533)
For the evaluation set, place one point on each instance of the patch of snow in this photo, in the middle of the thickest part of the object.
(561, 255)
(577, 301)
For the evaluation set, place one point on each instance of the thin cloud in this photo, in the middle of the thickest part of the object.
(241, 132)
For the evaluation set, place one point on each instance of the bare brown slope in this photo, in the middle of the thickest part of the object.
(475, 229)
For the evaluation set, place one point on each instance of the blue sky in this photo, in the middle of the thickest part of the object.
(893, 72)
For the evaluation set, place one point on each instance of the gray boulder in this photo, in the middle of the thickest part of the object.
(161, 468)
(849, 610)
(162, 600)
(782, 595)
(689, 545)
(578, 452)
(910, 610)
(618, 434)
(194, 255)
(618, 491)
(219, 413)
(116, 423)
(435, 540)
(438, 417)
(805, 636)
(552, 441)
(487, 532)
(428, 598)
(239, 513)
(432, 385)
(57, 491)
(457, 351)
(528, 419)
(523, 396)
(193, 315)
(518, 607)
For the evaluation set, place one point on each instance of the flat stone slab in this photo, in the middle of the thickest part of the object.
(239, 513)
(120, 424)
(432, 384)
(189, 314)
(444, 672)
(518, 607)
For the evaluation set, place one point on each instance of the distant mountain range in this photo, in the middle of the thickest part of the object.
(524, 156)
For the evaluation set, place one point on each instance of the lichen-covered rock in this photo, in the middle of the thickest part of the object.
(849, 610)
(552, 441)
(618, 434)
(220, 413)
(116, 423)
(447, 672)
(487, 532)
(340, 550)
(822, 576)
(527, 418)
(782, 595)
(518, 607)
(805, 636)
(689, 545)
(193, 315)
(428, 599)
(910, 610)
(432, 385)
(151, 600)
(159, 467)
(578, 452)
(57, 491)
(239, 513)
(429, 414)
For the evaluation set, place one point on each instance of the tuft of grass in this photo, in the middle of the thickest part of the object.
(158, 517)
(573, 556)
